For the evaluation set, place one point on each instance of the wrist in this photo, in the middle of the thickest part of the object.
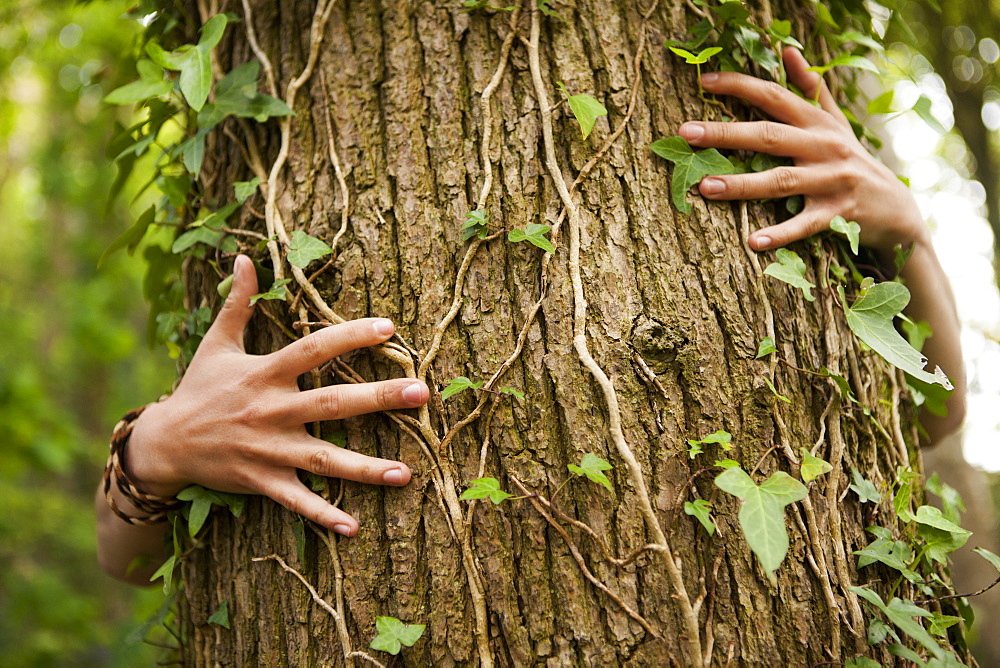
(147, 464)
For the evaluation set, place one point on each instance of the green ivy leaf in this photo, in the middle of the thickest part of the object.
(689, 167)
(721, 437)
(726, 463)
(902, 613)
(841, 383)
(701, 510)
(765, 347)
(866, 491)
(585, 108)
(221, 616)
(236, 95)
(245, 189)
(774, 390)
(878, 631)
(849, 229)
(459, 384)
(475, 224)
(846, 60)
(533, 233)
(870, 318)
(150, 84)
(781, 31)
(485, 488)
(131, 237)
(812, 467)
(303, 249)
(862, 662)
(592, 466)
(941, 535)
(881, 104)
(755, 48)
(513, 392)
(923, 109)
(692, 59)
(762, 514)
(166, 571)
(393, 634)
(276, 291)
(941, 623)
(989, 556)
(792, 270)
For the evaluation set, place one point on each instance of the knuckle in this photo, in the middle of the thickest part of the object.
(771, 135)
(840, 149)
(785, 180)
(384, 395)
(310, 348)
(328, 403)
(322, 462)
(289, 499)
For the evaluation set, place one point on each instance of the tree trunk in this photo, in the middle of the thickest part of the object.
(639, 333)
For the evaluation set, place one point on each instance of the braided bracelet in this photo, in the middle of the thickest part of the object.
(156, 506)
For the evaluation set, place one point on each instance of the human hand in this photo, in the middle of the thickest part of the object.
(834, 172)
(235, 423)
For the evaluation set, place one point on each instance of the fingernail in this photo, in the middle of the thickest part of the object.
(709, 77)
(413, 394)
(692, 131)
(236, 268)
(383, 327)
(762, 243)
(344, 529)
(712, 186)
(393, 477)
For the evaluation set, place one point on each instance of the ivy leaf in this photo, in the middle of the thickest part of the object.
(166, 571)
(303, 249)
(781, 31)
(131, 237)
(765, 347)
(513, 392)
(893, 553)
(245, 189)
(902, 613)
(866, 491)
(721, 437)
(475, 224)
(812, 467)
(221, 616)
(196, 77)
(237, 95)
(879, 631)
(941, 534)
(485, 488)
(150, 84)
(849, 229)
(592, 466)
(846, 60)
(792, 270)
(759, 53)
(941, 623)
(459, 384)
(774, 390)
(988, 556)
(726, 463)
(862, 662)
(882, 104)
(533, 233)
(762, 515)
(701, 57)
(700, 509)
(841, 383)
(689, 166)
(585, 108)
(393, 634)
(276, 291)
(870, 318)
(922, 107)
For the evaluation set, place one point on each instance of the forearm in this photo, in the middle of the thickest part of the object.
(121, 545)
(932, 301)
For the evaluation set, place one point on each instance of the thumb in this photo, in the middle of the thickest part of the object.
(235, 314)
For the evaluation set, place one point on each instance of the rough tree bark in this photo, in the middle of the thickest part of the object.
(673, 308)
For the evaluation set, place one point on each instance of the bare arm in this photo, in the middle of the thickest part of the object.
(236, 424)
(838, 177)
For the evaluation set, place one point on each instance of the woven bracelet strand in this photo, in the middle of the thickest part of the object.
(156, 506)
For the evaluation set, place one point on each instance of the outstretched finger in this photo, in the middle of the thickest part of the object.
(293, 495)
(798, 73)
(779, 103)
(770, 184)
(331, 461)
(319, 347)
(758, 136)
(805, 224)
(337, 402)
(229, 325)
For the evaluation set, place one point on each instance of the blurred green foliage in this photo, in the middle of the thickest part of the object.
(72, 355)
